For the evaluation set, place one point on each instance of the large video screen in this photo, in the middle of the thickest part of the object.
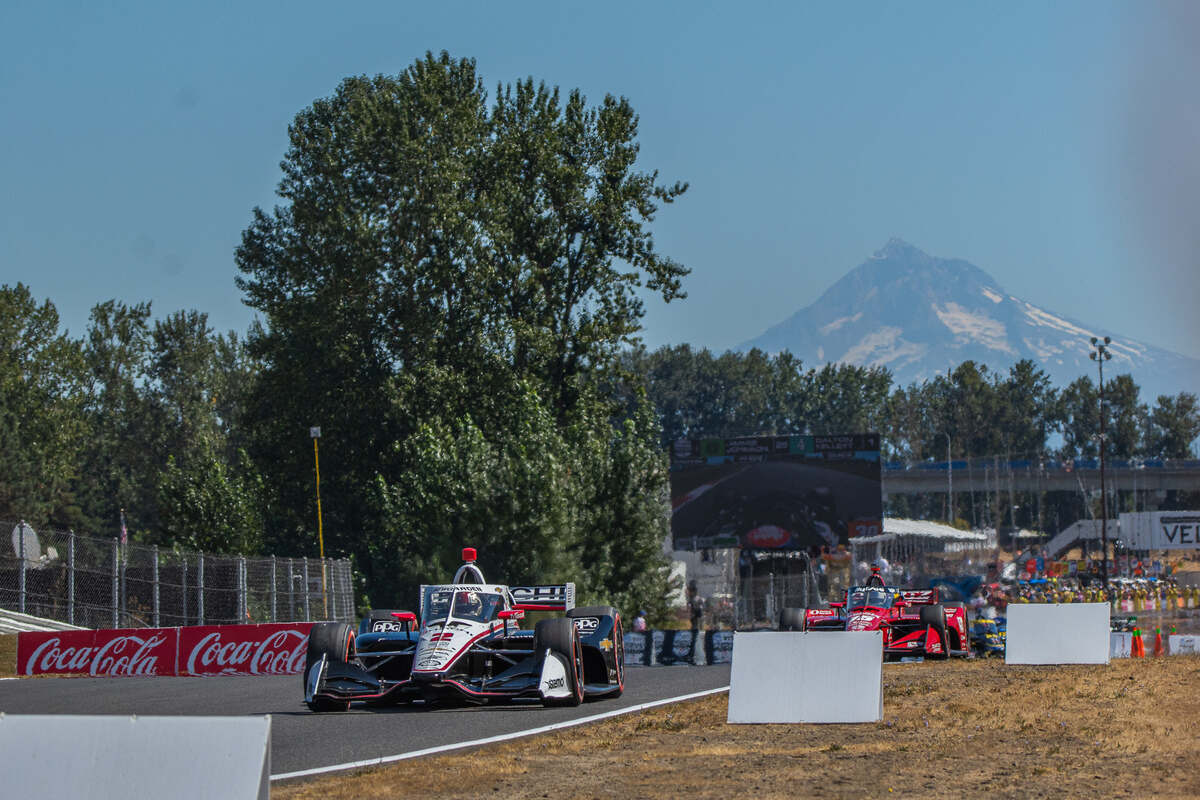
(775, 492)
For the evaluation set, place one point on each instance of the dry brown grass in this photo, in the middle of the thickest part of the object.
(1128, 729)
(8, 655)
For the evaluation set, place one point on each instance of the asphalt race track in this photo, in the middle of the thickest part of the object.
(303, 740)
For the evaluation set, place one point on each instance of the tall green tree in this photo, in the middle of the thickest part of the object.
(435, 261)
(42, 423)
(119, 465)
(1077, 415)
(1174, 426)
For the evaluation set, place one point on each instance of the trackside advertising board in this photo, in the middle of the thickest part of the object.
(1161, 530)
(274, 649)
(111, 653)
(775, 492)
(833, 676)
(1054, 633)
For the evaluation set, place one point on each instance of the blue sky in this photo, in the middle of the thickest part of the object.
(1051, 144)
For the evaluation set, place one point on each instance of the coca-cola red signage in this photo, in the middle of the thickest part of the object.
(112, 653)
(275, 649)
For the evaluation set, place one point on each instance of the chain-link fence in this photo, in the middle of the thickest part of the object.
(771, 582)
(96, 582)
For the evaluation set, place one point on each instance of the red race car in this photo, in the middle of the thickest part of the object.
(913, 622)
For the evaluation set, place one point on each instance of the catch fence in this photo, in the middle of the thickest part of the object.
(768, 582)
(97, 582)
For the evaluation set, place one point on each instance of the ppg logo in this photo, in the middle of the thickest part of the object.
(586, 625)
(383, 626)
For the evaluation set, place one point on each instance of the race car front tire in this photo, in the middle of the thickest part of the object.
(559, 636)
(935, 617)
(791, 619)
(334, 641)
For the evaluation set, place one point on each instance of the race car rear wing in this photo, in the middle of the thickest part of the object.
(923, 597)
(560, 597)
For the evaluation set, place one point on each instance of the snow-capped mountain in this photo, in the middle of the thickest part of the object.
(918, 315)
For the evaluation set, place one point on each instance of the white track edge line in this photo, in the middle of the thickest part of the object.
(503, 737)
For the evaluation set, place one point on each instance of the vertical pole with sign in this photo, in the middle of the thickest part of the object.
(315, 433)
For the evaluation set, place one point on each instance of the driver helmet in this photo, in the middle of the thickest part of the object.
(468, 603)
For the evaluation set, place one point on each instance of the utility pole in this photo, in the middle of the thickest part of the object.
(1100, 355)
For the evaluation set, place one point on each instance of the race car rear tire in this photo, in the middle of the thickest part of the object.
(935, 617)
(559, 636)
(962, 645)
(791, 619)
(334, 641)
(618, 639)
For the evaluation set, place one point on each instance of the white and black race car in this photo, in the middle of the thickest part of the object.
(469, 646)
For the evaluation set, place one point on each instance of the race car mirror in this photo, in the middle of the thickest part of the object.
(407, 617)
(511, 613)
(837, 605)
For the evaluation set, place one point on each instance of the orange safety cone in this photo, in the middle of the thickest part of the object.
(1158, 642)
(1137, 648)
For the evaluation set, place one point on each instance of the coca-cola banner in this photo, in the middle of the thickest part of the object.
(275, 649)
(111, 653)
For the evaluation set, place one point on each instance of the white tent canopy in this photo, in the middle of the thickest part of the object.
(893, 528)
(904, 539)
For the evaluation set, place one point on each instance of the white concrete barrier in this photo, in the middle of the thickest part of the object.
(829, 676)
(1180, 644)
(1066, 633)
(126, 757)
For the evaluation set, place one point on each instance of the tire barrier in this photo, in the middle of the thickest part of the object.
(670, 648)
(269, 649)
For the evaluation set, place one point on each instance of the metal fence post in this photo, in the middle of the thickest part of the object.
(291, 590)
(273, 619)
(155, 551)
(71, 577)
(183, 590)
(200, 591)
(115, 599)
(124, 553)
(307, 611)
(241, 584)
(21, 568)
(339, 581)
(333, 596)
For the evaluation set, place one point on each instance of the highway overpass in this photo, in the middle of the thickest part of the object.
(978, 475)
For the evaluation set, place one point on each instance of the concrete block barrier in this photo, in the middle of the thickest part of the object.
(806, 677)
(1067, 633)
(124, 757)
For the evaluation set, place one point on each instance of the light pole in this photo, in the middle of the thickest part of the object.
(315, 433)
(1101, 354)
